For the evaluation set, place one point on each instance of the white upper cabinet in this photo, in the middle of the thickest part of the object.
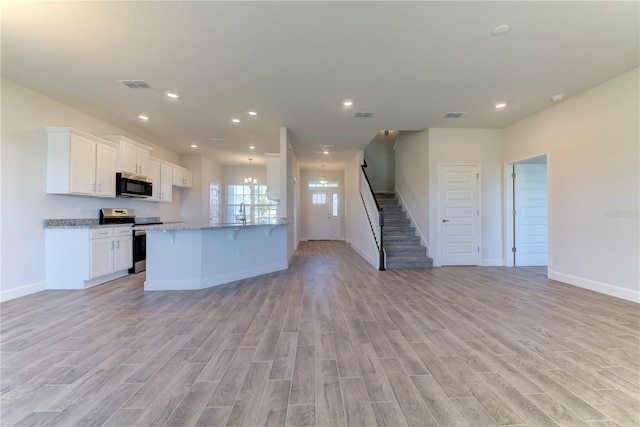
(106, 158)
(79, 163)
(133, 156)
(162, 175)
(182, 177)
(166, 178)
(273, 176)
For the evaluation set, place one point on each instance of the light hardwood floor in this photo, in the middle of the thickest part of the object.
(329, 342)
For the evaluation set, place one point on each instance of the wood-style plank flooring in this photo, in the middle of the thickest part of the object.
(329, 342)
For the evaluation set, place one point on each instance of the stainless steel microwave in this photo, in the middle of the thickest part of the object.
(131, 185)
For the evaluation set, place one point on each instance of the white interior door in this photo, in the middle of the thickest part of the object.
(324, 218)
(530, 217)
(460, 214)
(214, 207)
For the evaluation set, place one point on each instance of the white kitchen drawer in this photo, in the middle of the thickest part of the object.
(122, 231)
(100, 233)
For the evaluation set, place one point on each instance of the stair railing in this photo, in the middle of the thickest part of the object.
(375, 214)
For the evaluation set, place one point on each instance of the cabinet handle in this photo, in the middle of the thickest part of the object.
(99, 188)
(118, 244)
(93, 187)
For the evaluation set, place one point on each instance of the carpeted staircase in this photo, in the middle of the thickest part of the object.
(402, 246)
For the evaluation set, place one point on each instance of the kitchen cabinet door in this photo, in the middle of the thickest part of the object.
(166, 182)
(102, 261)
(187, 178)
(106, 158)
(178, 177)
(82, 164)
(123, 253)
(128, 157)
(143, 157)
(154, 174)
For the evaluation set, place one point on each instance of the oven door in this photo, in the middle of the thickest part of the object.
(139, 251)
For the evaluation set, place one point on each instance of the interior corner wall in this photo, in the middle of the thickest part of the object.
(195, 200)
(470, 147)
(380, 159)
(592, 143)
(412, 178)
(25, 114)
(358, 231)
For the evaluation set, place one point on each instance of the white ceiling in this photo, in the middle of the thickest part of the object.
(295, 62)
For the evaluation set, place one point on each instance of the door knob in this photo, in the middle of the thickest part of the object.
(445, 220)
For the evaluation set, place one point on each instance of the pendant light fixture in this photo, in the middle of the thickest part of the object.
(323, 180)
(249, 179)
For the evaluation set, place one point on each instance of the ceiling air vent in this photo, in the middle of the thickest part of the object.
(362, 114)
(135, 84)
(453, 115)
(218, 139)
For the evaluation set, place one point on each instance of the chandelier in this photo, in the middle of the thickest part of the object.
(249, 179)
(323, 180)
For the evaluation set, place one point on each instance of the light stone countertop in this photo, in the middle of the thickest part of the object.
(168, 226)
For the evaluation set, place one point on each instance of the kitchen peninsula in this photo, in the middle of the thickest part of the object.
(188, 257)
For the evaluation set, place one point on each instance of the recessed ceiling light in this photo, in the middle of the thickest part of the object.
(557, 98)
(347, 103)
(234, 120)
(501, 104)
(325, 152)
(172, 95)
(194, 146)
(500, 30)
(143, 117)
(251, 147)
(252, 113)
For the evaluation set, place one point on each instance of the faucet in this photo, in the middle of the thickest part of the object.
(242, 217)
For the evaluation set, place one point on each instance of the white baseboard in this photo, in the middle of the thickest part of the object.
(492, 262)
(364, 255)
(22, 291)
(603, 288)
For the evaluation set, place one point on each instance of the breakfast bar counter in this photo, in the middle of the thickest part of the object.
(191, 256)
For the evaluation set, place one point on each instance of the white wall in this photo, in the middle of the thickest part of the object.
(412, 179)
(314, 175)
(25, 203)
(470, 146)
(195, 201)
(592, 142)
(380, 159)
(359, 233)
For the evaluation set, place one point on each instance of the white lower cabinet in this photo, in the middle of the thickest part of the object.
(111, 250)
(81, 258)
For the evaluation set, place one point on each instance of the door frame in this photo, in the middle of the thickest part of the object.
(438, 211)
(508, 211)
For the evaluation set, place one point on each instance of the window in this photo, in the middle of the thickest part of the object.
(319, 199)
(250, 202)
(330, 184)
(335, 204)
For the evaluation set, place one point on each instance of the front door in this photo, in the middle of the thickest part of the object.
(214, 210)
(324, 218)
(460, 214)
